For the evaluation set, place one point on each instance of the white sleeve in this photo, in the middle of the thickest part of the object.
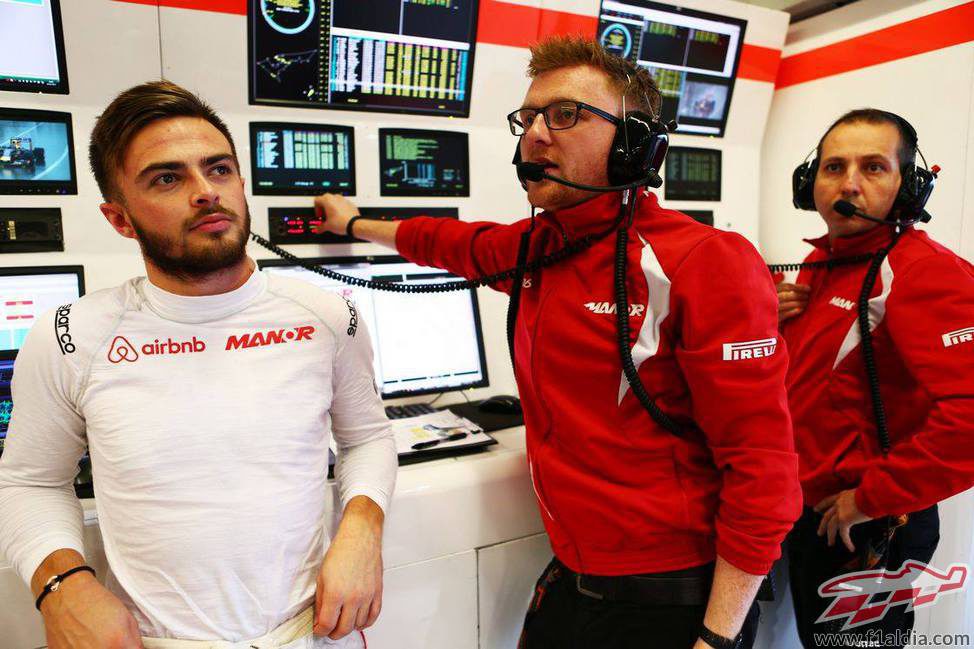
(367, 461)
(39, 512)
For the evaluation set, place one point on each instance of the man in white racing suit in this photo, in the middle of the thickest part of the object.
(206, 394)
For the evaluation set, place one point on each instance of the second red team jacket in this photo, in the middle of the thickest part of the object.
(922, 322)
(619, 494)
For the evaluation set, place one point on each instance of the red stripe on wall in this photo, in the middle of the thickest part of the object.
(933, 32)
(218, 6)
(759, 63)
(514, 25)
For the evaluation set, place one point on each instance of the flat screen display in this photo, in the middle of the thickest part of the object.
(36, 152)
(26, 293)
(32, 47)
(411, 56)
(302, 159)
(424, 343)
(293, 225)
(423, 163)
(692, 174)
(692, 55)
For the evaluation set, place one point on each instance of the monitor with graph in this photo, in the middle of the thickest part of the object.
(27, 292)
(411, 56)
(302, 159)
(413, 162)
(692, 55)
(424, 342)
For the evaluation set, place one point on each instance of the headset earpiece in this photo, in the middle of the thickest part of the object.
(517, 159)
(803, 185)
(638, 150)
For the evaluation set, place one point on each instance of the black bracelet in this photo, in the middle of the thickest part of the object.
(55, 582)
(718, 641)
(351, 222)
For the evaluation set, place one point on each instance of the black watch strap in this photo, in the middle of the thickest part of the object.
(351, 222)
(55, 582)
(717, 641)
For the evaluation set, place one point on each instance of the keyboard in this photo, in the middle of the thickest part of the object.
(410, 410)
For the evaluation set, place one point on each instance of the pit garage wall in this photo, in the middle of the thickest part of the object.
(915, 59)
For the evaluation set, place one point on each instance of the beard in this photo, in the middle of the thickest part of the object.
(187, 259)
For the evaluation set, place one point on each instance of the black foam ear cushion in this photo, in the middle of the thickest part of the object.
(638, 148)
(803, 185)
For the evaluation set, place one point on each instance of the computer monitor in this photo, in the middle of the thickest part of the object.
(6, 398)
(692, 55)
(424, 343)
(292, 225)
(26, 292)
(32, 47)
(302, 159)
(692, 174)
(407, 56)
(701, 216)
(414, 162)
(36, 152)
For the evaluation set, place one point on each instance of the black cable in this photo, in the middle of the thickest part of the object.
(516, 285)
(868, 353)
(622, 327)
(824, 263)
(572, 248)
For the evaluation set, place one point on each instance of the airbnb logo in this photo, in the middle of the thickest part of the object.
(122, 350)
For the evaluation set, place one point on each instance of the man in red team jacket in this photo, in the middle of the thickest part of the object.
(921, 313)
(659, 540)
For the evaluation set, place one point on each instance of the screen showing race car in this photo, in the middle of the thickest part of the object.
(32, 47)
(36, 152)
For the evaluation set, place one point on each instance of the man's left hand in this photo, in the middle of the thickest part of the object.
(839, 514)
(349, 592)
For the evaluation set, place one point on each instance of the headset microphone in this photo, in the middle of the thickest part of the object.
(535, 172)
(847, 209)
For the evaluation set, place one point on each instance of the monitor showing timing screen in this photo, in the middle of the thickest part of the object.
(32, 47)
(409, 56)
(425, 342)
(27, 292)
(692, 174)
(36, 152)
(423, 163)
(692, 55)
(302, 159)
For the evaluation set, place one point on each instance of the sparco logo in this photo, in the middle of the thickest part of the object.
(273, 337)
(352, 318)
(122, 350)
(965, 335)
(62, 329)
(751, 349)
(842, 303)
(610, 307)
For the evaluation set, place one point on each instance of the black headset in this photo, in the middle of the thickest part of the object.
(915, 187)
(635, 157)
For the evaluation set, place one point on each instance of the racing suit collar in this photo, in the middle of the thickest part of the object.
(596, 214)
(204, 308)
(863, 242)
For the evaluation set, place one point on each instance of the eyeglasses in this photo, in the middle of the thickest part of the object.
(557, 116)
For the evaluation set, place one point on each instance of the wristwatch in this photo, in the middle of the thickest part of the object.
(718, 641)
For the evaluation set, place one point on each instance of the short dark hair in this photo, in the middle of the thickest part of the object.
(558, 52)
(906, 152)
(132, 111)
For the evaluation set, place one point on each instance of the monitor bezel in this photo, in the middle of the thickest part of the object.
(421, 193)
(695, 13)
(364, 108)
(298, 191)
(393, 259)
(13, 271)
(42, 187)
(62, 87)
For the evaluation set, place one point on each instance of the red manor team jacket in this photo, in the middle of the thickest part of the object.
(922, 321)
(619, 494)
